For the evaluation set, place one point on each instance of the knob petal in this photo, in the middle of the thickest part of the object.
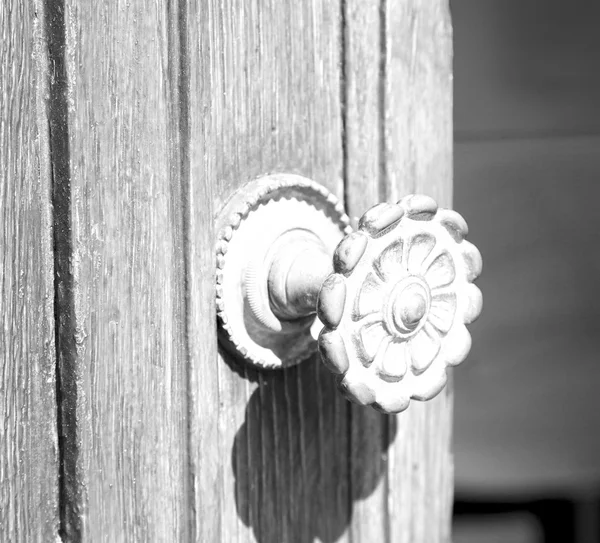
(396, 306)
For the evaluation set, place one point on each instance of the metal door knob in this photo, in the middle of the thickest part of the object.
(392, 297)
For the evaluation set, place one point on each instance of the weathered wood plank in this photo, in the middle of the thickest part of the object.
(267, 78)
(418, 150)
(365, 185)
(122, 334)
(363, 101)
(206, 454)
(28, 433)
(399, 140)
(281, 456)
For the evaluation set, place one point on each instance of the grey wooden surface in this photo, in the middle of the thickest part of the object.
(398, 130)
(28, 434)
(156, 113)
(120, 267)
(294, 461)
(371, 434)
(418, 158)
(270, 101)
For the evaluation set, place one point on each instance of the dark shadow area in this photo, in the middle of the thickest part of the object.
(304, 455)
(67, 371)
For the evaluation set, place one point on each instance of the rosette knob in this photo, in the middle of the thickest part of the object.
(395, 307)
(392, 298)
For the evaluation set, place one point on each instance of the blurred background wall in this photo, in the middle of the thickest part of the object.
(527, 179)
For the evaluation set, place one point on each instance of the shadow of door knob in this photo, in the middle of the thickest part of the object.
(392, 298)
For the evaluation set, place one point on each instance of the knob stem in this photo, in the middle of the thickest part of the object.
(295, 278)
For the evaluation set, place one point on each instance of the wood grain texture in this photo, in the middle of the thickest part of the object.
(364, 62)
(399, 140)
(273, 103)
(120, 266)
(418, 143)
(167, 111)
(28, 434)
(264, 97)
(370, 436)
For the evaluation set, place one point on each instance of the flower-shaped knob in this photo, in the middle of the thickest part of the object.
(394, 310)
(393, 298)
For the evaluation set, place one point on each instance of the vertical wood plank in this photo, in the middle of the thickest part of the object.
(365, 186)
(122, 337)
(418, 98)
(264, 96)
(241, 128)
(399, 141)
(364, 100)
(28, 434)
(206, 453)
(418, 139)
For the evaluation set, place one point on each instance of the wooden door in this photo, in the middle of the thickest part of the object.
(125, 126)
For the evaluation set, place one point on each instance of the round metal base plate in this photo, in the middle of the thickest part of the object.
(261, 216)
